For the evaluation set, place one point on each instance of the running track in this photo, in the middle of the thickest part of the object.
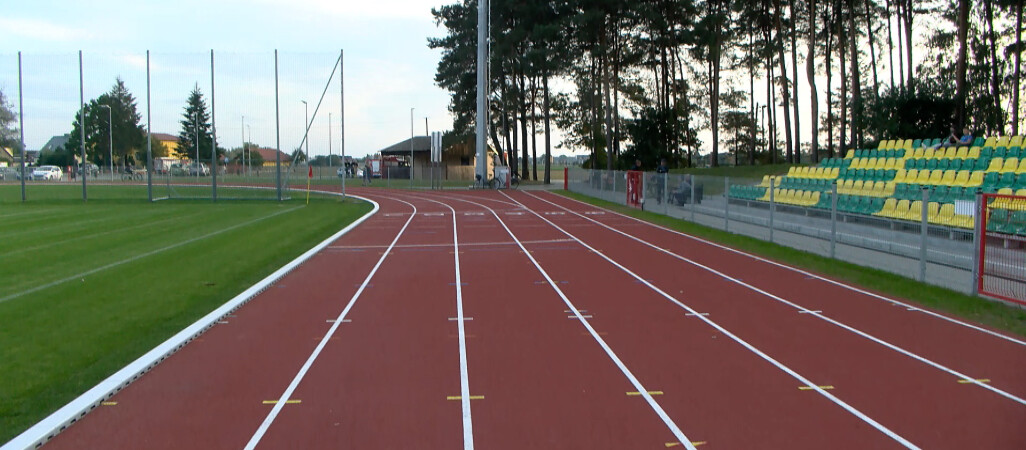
(530, 321)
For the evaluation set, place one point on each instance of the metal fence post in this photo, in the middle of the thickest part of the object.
(833, 219)
(977, 240)
(726, 203)
(924, 229)
(666, 193)
(772, 207)
(692, 193)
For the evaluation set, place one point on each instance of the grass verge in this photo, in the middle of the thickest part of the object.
(986, 312)
(89, 287)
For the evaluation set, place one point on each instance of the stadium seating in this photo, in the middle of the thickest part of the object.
(890, 180)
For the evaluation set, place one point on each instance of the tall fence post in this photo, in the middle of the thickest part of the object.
(773, 206)
(924, 230)
(833, 219)
(726, 203)
(666, 193)
(978, 239)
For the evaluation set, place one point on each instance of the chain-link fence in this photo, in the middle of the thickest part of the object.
(143, 125)
(914, 236)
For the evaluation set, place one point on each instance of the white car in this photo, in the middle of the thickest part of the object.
(52, 173)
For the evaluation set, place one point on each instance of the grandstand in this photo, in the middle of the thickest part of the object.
(889, 182)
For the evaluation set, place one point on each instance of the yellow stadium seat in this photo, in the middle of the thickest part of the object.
(878, 189)
(995, 165)
(1002, 202)
(850, 154)
(855, 163)
(909, 144)
(889, 187)
(765, 181)
(962, 153)
(948, 178)
(856, 188)
(937, 177)
(834, 172)
(791, 171)
(924, 177)
(1019, 203)
(911, 175)
(899, 176)
(974, 152)
(950, 153)
(932, 210)
(918, 153)
(893, 164)
(901, 209)
(962, 221)
(928, 152)
(1002, 141)
(888, 208)
(821, 172)
(813, 199)
(990, 142)
(1022, 166)
(975, 178)
(1011, 164)
(847, 187)
(1015, 141)
(915, 211)
(962, 178)
(882, 146)
(945, 215)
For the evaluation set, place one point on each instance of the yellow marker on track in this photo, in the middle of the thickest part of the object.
(633, 394)
(978, 380)
(809, 388)
(287, 402)
(694, 443)
(459, 397)
(109, 403)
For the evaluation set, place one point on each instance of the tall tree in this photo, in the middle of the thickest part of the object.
(962, 64)
(123, 119)
(195, 123)
(9, 136)
(810, 75)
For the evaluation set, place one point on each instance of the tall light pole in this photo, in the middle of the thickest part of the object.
(329, 143)
(243, 141)
(110, 136)
(249, 154)
(197, 163)
(410, 147)
(306, 130)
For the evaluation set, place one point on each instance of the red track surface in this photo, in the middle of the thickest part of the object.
(538, 377)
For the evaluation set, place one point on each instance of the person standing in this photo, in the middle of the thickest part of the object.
(661, 174)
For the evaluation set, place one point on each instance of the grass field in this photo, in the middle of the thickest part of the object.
(89, 287)
(987, 312)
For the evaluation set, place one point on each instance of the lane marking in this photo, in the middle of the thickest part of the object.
(433, 214)
(222, 322)
(460, 397)
(586, 316)
(478, 213)
(594, 213)
(453, 319)
(600, 333)
(336, 320)
(287, 402)
(727, 333)
(638, 394)
(810, 311)
(978, 380)
(810, 388)
(801, 271)
(108, 403)
(696, 314)
(674, 444)
(464, 244)
(595, 335)
(259, 433)
(779, 299)
(568, 311)
(81, 275)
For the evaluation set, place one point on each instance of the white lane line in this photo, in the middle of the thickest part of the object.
(806, 273)
(745, 344)
(465, 397)
(819, 315)
(259, 434)
(465, 244)
(609, 351)
(81, 275)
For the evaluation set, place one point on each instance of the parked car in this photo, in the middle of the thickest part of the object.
(91, 169)
(200, 169)
(52, 173)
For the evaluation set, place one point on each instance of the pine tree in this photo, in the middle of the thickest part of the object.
(195, 122)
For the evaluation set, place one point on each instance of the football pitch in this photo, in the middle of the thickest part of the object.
(88, 287)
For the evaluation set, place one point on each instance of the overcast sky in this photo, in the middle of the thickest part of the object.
(388, 67)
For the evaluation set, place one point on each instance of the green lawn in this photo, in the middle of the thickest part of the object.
(89, 287)
(987, 312)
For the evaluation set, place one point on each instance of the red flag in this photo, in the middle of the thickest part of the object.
(310, 173)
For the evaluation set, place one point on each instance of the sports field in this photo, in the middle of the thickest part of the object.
(89, 287)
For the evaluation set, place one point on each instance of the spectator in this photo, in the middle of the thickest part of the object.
(637, 165)
(967, 137)
(661, 172)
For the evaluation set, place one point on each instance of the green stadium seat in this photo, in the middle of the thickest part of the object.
(943, 164)
(1000, 152)
(956, 164)
(969, 164)
(998, 218)
(1013, 152)
(942, 194)
(1007, 180)
(978, 141)
(1020, 181)
(987, 152)
(910, 164)
(921, 163)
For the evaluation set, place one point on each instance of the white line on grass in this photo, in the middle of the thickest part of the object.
(140, 256)
(805, 310)
(806, 273)
(259, 434)
(594, 334)
(812, 386)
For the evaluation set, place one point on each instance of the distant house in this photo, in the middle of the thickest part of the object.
(269, 156)
(6, 156)
(56, 143)
(459, 161)
(170, 143)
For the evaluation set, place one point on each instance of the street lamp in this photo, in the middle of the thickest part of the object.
(197, 163)
(249, 154)
(329, 143)
(306, 130)
(411, 147)
(110, 136)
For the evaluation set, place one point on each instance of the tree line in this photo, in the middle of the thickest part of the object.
(643, 79)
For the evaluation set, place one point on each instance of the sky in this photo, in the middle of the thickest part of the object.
(388, 68)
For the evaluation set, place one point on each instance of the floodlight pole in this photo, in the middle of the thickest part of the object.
(411, 148)
(81, 123)
(244, 142)
(249, 153)
(197, 162)
(110, 136)
(329, 143)
(21, 130)
(482, 90)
